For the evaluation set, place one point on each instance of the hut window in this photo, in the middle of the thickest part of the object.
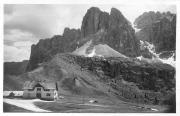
(47, 90)
(48, 94)
(38, 89)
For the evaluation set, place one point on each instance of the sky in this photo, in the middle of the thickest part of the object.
(25, 25)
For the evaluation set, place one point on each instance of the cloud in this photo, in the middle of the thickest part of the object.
(15, 54)
(15, 35)
(26, 45)
(37, 19)
(19, 40)
(24, 25)
(18, 45)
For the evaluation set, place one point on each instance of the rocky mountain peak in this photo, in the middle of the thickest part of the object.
(117, 19)
(158, 29)
(101, 27)
(116, 13)
(95, 20)
(148, 18)
(91, 20)
(93, 10)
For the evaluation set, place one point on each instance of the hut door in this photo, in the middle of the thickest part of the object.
(38, 95)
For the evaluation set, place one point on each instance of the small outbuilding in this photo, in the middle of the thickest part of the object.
(40, 89)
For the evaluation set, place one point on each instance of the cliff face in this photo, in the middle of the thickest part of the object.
(47, 48)
(134, 80)
(119, 33)
(164, 35)
(93, 21)
(131, 70)
(158, 29)
(101, 27)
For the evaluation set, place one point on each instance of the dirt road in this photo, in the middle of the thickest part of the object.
(26, 104)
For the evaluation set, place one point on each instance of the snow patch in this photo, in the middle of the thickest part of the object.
(153, 109)
(151, 49)
(171, 61)
(136, 29)
(92, 54)
(139, 58)
(82, 49)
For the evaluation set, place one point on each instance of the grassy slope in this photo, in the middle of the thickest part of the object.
(15, 68)
(12, 82)
(12, 72)
(79, 104)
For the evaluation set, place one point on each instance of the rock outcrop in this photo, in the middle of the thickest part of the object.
(121, 35)
(131, 70)
(158, 29)
(132, 79)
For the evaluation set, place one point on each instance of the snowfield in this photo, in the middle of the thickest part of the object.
(26, 104)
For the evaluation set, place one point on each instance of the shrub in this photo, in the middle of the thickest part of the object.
(11, 94)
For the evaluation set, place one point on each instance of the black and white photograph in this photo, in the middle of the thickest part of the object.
(89, 58)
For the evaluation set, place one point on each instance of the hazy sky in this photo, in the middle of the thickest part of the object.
(24, 25)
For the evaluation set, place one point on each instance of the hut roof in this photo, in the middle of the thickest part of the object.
(44, 84)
